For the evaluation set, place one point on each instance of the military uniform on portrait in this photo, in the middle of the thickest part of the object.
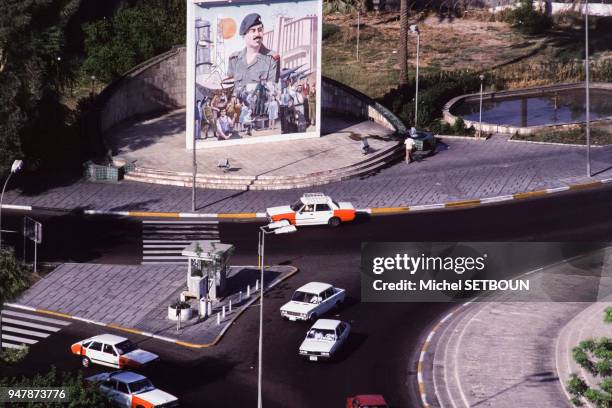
(264, 66)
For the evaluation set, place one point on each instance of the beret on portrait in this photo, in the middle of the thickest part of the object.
(249, 21)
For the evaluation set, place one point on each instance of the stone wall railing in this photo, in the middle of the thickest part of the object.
(155, 86)
(341, 99)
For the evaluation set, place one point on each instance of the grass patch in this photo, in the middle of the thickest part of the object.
(599, 136)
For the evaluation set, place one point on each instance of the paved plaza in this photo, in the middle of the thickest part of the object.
(461, 169)
(136, 297)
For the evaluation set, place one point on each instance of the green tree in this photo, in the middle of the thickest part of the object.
(33, 69)
(14, 278)
(133, 35)
(80, 396)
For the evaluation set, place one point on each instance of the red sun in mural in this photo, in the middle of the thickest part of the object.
(228, 27)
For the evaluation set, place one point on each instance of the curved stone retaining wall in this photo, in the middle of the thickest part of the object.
(502, 128)
(158, 85)
(344, 100)
(155, 86)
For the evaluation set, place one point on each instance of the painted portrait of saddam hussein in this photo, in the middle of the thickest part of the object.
(257, 68)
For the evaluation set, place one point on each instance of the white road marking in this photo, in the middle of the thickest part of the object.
(35, 317)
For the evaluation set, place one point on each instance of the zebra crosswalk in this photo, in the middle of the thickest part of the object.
(163, 241)
(19, 328)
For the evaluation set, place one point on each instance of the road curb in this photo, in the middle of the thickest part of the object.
(155, 336)
(425, 347)
(374, 211)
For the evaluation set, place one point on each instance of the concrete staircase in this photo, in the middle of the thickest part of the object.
(229, 181)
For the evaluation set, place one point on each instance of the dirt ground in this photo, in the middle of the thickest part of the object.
(472, 43)
(463, 42)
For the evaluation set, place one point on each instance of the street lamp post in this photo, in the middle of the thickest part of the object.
(586, 69)
(415, 29)
(93, 83)
(279, 227)
(480, 114)
(17, 165)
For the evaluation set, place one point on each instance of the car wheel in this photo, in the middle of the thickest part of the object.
(85, 362)
(334, 221)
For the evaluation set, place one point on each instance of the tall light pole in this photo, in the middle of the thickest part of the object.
(17, 165)
(279, 227)
(480, 114)
(415, 29)
(586, 69)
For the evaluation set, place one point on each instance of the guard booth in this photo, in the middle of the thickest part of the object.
(208, 268)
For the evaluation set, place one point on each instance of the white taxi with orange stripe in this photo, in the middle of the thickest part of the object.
(130, 390)
(313, 209)
(111, 351)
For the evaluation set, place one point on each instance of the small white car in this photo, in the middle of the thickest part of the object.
(324, 338)
(131, 390)
(112, 351)
(311, 301)
(313, 209)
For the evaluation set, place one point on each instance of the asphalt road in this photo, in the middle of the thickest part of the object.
(380, 355)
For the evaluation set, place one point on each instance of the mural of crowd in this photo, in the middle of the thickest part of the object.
(235, 112)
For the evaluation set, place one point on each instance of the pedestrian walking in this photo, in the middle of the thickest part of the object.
(409, 143)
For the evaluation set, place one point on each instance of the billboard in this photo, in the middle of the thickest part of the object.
(253, 71)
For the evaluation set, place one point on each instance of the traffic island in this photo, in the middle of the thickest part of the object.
(515, 349)
(135, 299)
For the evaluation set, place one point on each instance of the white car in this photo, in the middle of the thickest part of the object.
(131, 390)
(112, 351)
(313, 209)
(324, 338)
(311, 301)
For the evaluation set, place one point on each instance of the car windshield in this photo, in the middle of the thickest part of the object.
(125, 347)
(322, 334)
(143, 385)
(305, 297)
(297, 205)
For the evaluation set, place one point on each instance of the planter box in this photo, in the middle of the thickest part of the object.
(98, 172)
(186, 314)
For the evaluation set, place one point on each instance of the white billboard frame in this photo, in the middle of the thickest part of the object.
(190, 117)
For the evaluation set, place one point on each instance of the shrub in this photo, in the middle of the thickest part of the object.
(526, 19)
(80, 396)
(576, 385)
(329, 30)
(14, 355)
(608, 315)
(340, 6)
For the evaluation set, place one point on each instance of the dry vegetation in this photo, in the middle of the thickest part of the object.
(473, 43)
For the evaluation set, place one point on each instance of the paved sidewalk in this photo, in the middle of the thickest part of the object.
(135, 298)
(461, 170)
(160, 144)
(506, 353)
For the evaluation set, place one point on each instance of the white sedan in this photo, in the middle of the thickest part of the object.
(313, 209)
(311, 301)
(324, 338)
(112, 351)
(131, 390)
